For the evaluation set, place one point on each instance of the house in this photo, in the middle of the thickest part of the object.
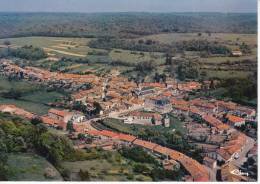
(209, 150)
(236, 53)
(144, 118)
(170, 164)
(60, 115)
(235, 120)
(52, 122)
(144, 92)
(180, 109)
(209, 162)
(232, 148)
(12, 109)
(223, 106)
(216, 139)
(204, 105)
(158, 104)
(215, 123)
(244, 112)
(77, 118)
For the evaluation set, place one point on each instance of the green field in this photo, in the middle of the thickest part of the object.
(133, 129)
(34, 98)
(30, 167)
(55, 46)
(135, 57)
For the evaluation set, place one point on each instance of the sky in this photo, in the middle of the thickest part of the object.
(90, 6)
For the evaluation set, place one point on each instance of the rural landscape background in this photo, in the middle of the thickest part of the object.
(133, 96)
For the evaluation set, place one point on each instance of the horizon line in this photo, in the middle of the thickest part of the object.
(159, 12)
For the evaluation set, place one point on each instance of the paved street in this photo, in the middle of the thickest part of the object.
(242, 156)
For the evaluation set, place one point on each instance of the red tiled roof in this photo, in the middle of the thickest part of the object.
(215, 122)
(50, 121)
(163, 150)
(58, 112)
(108, 133)
(126, 137)
(175, 101)
(181, 107)
(235, 119)
(145, 144)
(94, 132)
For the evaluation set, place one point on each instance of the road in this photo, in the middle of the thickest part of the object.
(242, 156)
(117, 114)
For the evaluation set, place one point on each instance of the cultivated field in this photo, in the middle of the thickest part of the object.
(58, 47)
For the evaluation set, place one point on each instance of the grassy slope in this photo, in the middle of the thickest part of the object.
(29, 167)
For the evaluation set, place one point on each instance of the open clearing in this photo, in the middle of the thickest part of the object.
(75, 47)
(231, 38)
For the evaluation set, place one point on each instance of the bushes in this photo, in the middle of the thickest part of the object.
(203, 45)
(141, 168)
(3, 166)
(138, 154)
(22, 136)
(238, 89)
(28, 52)
(84, 175)
(187, 71)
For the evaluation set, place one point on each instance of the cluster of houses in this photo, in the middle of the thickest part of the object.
(211, 123)
(69, 82)
(198, 172)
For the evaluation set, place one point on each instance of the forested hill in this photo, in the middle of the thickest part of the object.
(125, 25)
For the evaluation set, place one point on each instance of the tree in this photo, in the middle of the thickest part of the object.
(70, 127)
(84, 175)
(141, 168)
(3, 166)
(81, 136)
(7, 43)
(168, 59)
(98, 108)
(153, 120)
(212, 84)
(36, 121)
(13, 94)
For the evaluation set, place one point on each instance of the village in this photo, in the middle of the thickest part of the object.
(215, 126)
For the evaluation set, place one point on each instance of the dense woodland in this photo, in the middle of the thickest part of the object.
(124, 25)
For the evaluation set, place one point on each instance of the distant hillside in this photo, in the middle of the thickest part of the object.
(125, 25)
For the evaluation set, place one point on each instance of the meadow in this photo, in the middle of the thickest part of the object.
(34, 97)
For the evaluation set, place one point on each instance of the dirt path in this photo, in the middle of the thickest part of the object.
(64, 52)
